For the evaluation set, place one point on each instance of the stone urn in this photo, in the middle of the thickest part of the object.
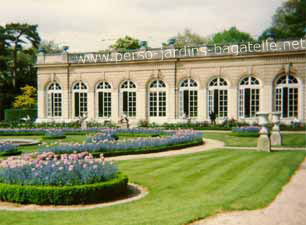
(263, 142)
(276, 137)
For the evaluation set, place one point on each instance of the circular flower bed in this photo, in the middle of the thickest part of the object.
(108, 144)
(67, 179)
(7, 149)
(246, 131)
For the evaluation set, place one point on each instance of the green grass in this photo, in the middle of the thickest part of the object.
(296, 140)
(289, 140)
(184, 188)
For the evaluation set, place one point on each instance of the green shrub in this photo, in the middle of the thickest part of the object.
(244, 134)
(149, 149)
(66, 195)
(11, 115)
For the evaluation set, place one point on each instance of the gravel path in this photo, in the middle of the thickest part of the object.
(272, 148)
(289, 208)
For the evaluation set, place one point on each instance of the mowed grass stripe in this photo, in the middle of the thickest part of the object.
(179, 181)
(151, 165)
(280, 171)
(229, 171)
(192, 164)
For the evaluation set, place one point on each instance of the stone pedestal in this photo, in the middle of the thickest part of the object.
(124, 125)
(84, 124)
(83, 121)
(276, 137)
(263, 142)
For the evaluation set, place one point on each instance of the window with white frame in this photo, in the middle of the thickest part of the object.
(80, 99)
(188, 94)
(249, 94)
(104, 95)
(217, 97)
(286, 96)
(54, 101)
(128, 98)
(157, 99)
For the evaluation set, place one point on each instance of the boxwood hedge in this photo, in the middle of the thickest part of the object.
(65, 195)
(146, 150)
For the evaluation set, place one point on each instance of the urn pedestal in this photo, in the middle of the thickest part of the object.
(276, 137)
(263, 142)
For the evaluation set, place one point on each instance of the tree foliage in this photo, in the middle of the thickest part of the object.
(18, 50)
(27, 99)
(50, 47)
(19, 35)
(231, 36)
(289, 21)
(189, 39)
(126, 43)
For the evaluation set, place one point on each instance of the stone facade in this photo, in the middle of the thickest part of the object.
(265, 67)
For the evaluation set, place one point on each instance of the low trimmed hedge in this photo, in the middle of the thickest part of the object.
(11, 153)
(7, 149)
(53, 138)
(245, 131)
(66, 195)
(244, 134)
(150, 149)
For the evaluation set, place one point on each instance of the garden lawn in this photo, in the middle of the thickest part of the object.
(289, 140)
(184, 188)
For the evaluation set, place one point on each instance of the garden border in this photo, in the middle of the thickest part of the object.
(66, 195)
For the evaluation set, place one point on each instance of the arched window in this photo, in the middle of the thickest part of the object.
(104, 94)
(188, 92)
(286, 96)
(54, 101)
(157, 98)
(128, 98)
(80, 99)
(217, 97)
(249, 97)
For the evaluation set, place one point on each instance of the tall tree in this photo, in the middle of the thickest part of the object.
(126, 43)
(289, 21)
(18, 36)
(50, 47)
(189, 39)
(231, 36)
(4, 56)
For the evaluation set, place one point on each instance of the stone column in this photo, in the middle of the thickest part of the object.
(263, 142)
(170, 105)
(91, 105)
(115, 106)
(202, 103)
(276, 137)
(232, 102)
(141, 106)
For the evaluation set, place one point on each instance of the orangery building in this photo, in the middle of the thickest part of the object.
(170, 85)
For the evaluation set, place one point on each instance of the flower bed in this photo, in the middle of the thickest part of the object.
(106, 143)
(54, 134)
(245, 131)
(7, 149)
(67, 179)
(42, 131)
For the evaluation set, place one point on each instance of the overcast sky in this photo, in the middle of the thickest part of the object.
(88, 25)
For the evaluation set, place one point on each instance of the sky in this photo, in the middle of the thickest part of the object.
(91, 25)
